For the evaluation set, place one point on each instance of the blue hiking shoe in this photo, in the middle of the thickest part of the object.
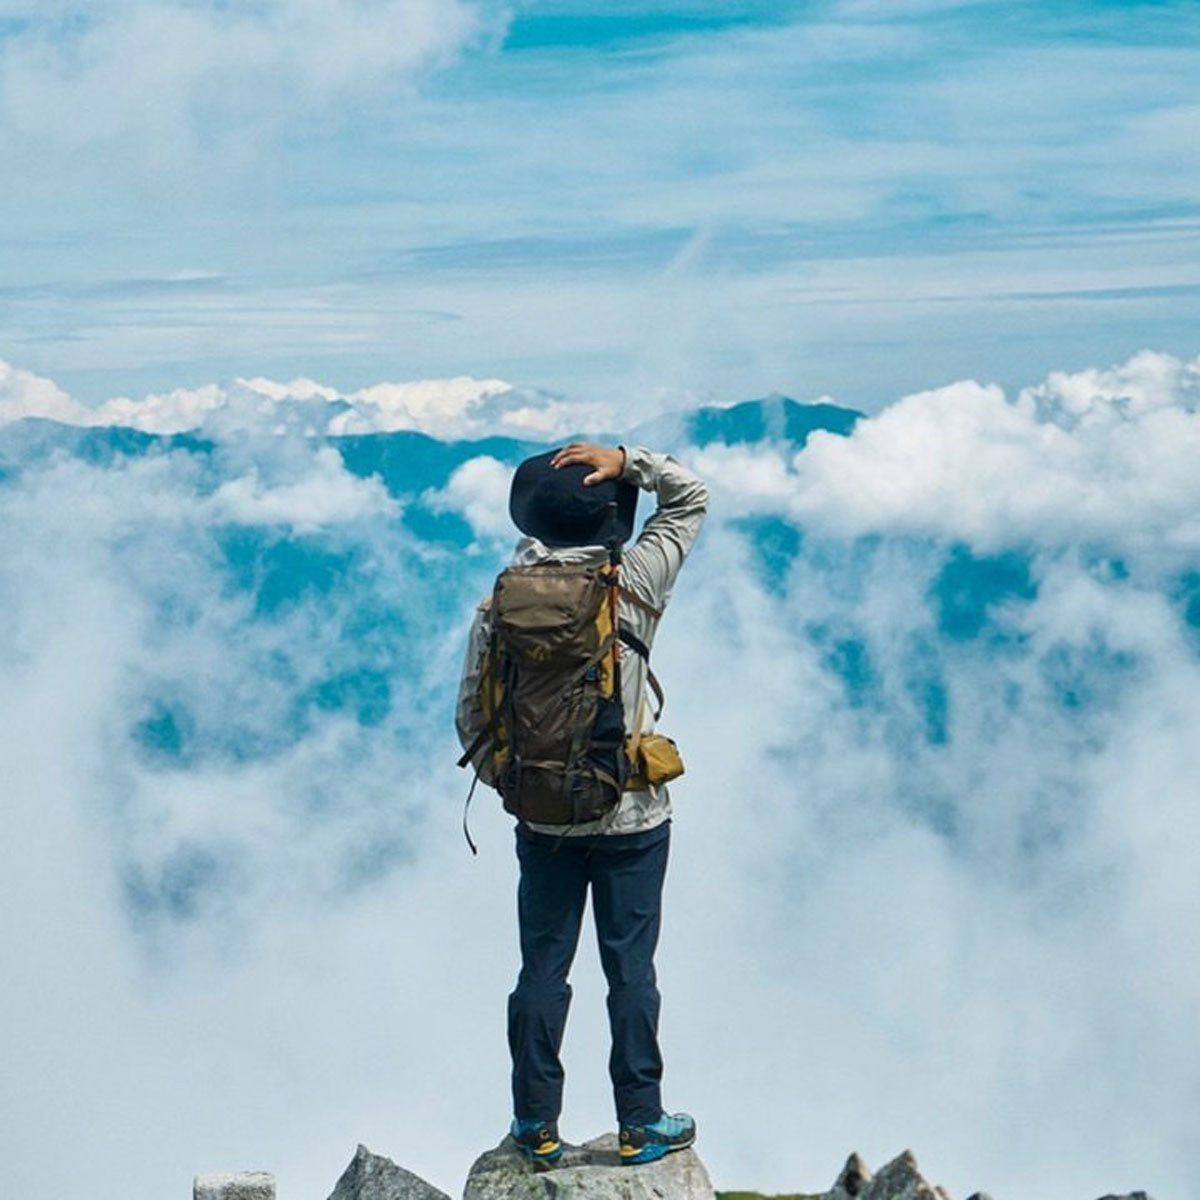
(537, 1140)
(647, 1143)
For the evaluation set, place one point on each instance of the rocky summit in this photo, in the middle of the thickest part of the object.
(592, 1171)
(899, 1180)
(373, 1177)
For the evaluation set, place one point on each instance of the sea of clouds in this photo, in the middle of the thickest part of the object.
(934, 868)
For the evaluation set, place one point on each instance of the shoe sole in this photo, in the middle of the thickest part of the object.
(652, 1152)
(541, 1159)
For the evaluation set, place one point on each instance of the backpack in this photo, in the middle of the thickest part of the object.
(557, 750)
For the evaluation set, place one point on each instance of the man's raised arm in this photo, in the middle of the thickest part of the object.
(650, 567)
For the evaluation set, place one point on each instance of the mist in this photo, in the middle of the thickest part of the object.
(932, 884)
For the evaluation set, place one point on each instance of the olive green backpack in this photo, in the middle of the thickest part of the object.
(554, 741)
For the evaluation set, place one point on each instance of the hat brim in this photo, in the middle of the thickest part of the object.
(554, 505)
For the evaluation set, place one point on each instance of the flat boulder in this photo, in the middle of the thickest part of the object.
(373, 1177)
(592, 1171)
(234, 1185)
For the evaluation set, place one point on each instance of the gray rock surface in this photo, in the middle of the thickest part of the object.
(234, 1185)
(901, 1180)
(850, 1183)
(592, 1171)
(373, 1177)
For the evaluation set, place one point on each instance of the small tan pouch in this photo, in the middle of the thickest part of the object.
(658, 760)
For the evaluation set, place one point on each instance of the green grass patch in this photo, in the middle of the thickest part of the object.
(760, 1196)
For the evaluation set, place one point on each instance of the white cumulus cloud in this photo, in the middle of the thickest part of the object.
(478, 490)
(327, 494)
(460, 407)
(24, 394)
(1100, 456)
(169, 412)
(457, 407)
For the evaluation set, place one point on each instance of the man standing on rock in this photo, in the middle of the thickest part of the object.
(554, 712)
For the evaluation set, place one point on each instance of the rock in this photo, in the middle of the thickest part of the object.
(234, 1185)
(373, 1177)
(592, 1171)
(854, 1177)
(900, 1180)
(1128, 1196)
(979, 1196)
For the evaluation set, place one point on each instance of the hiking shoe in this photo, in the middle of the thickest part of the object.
(646, 1143)
(538, 1140)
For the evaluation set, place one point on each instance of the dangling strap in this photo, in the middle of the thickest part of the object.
(636, 736)
(466, 810)
(482, 736)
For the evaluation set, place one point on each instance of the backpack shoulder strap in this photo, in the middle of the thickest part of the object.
(644, 605)
(640, 648)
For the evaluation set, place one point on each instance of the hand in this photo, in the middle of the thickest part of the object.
(609, 461)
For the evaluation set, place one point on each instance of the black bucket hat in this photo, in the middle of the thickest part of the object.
(553, 505)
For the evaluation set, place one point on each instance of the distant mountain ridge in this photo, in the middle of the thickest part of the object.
(774, 418)
(410, 462)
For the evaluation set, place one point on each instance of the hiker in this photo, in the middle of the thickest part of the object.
(597, 813)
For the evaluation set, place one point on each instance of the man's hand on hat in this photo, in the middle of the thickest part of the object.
(608, 461)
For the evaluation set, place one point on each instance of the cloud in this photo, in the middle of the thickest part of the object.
(478, 490)
(24, 394)
(180, 73)
(211, 717)
(966, 699)
(172, 412)
(1102, 457)
(873, 183)
(934, 853)
(328, 495)
(442, 408)
(844, 183)
(449, 409)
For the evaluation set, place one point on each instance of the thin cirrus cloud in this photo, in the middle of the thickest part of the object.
(126, 69)
(694, 204)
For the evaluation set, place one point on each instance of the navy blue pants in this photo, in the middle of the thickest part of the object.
(625, 873)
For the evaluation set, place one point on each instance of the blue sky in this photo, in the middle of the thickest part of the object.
(638, 203)
(956, 653)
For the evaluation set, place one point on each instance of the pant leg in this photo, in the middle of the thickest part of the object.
(627, 888)
(550, 901)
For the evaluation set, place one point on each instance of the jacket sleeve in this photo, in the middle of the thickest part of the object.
(650, 567)
(468, 717)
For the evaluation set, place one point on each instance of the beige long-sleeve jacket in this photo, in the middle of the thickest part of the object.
(648, 570)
